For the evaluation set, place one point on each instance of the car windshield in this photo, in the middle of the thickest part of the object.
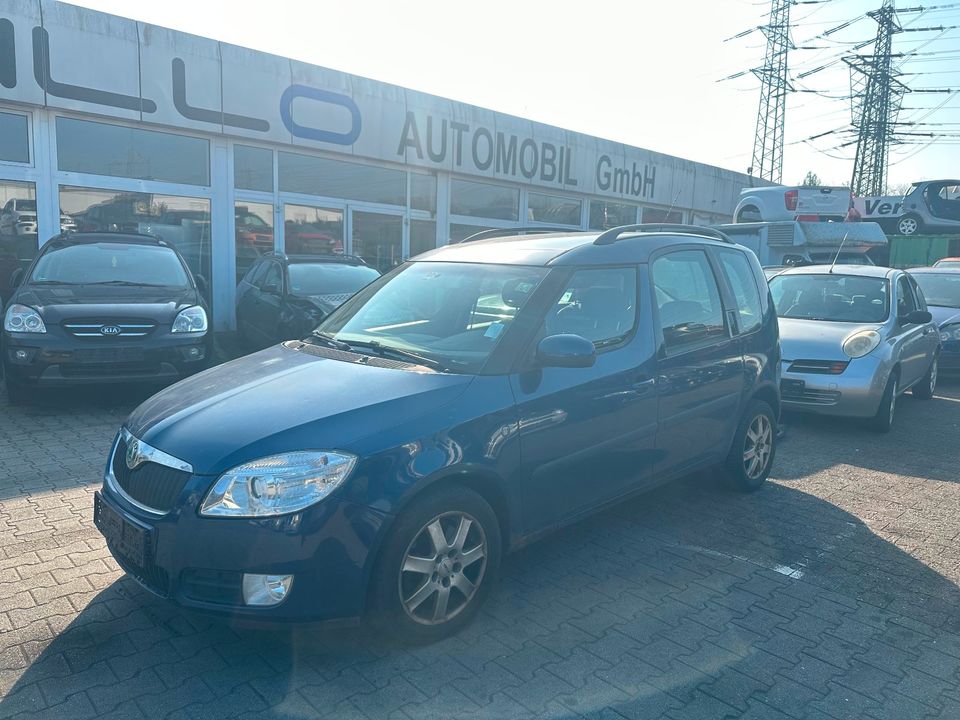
(942, 289)
(312, 279)
(451, 313)
(110, 263)
(831, 297)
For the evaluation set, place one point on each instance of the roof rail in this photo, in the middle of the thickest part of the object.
(507, 232)
(608, 237)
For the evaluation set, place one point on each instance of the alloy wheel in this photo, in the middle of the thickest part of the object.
(443, 568)
(758, 446)
(908, 226)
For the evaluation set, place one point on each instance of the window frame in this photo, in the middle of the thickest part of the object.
(662, 351)
(31, 153)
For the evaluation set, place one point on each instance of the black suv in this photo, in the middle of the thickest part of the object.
(283, 297)
(103, 308)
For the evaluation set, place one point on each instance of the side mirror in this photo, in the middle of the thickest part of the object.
(917, 317)
(202, 285)
(571, 351)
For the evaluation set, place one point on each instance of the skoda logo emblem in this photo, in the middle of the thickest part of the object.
(109, 330)
(134, 457)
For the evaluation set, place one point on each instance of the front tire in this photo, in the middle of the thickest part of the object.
(437, 566)
(927, 386)
(754, 447)
(883, 420)
(909, 225)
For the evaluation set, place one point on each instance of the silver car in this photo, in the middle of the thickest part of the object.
(853, 338)
(931, 206)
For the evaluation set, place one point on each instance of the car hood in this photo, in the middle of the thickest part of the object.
(817, 340)
(57, 303)
(280, 400)
(944, 315)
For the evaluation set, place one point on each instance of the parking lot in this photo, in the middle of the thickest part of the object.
(831, 593)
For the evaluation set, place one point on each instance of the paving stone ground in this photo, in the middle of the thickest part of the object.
(831, 593)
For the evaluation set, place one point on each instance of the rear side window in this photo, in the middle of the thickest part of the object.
(688, 300)
(273, 280)
(740, 275)
(598, 304)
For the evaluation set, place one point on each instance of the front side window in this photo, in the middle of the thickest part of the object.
(906, 303)
(110, 264)
(451, 313)
(598, 304)
(831, 297)
(273, 280)
(688, 300)
(744, 285)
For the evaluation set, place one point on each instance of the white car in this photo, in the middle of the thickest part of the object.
(807, 204)
(19, 217)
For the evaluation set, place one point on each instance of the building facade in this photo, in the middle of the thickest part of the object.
(111, 124)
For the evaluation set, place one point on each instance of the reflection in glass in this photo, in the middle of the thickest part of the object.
(14, 139)
(605, 215)
(657, 215)
(252, 168)
(184, 222)
(423, 236)
(460, 232)
(423, 192)
(253, 223)
(378, 239)
(101, 149)
(310, 175)
(553, 209)
(484, 200)
(310, 230)
(18, 231)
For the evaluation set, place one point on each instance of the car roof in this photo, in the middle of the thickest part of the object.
(331, 258)
(126, 238)
(840, 269)
(567, 248)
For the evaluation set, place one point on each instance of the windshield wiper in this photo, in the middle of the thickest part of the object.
(125, 283)
(385, 350)
(328, 340)
(48, 282)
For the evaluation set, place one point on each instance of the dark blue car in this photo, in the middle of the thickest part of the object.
(941, 289)
(470, 401)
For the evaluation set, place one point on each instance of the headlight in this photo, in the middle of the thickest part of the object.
(20, 318)
(191, 320)
(861, 343)
(950, 332)
(278, 484)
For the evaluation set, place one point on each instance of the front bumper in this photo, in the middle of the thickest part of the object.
(198, 562)
(856, 392)
(56, 359)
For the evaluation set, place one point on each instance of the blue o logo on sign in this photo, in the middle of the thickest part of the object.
(322, 96)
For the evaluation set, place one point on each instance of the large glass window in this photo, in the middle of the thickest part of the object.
(600, 305)
(14, 138)
(310, 175)
(688, 300)
(423, 192)
(101, 149)
(605, 215)
(423, 236)
(309, 230)
(253, 229)
(252, 168)
(18, 231)
(656, 215)
(184, 222)
(744, 285)
(378, 239)
(484, 200)
(553, 209)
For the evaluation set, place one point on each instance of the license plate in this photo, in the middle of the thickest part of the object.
(792, 386)
(127, 538)
(108, 354)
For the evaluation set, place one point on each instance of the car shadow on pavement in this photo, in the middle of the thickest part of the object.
(691, 601)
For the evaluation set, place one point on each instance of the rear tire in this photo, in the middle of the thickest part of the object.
(754, 448)
(927, 386)
(437, 566)
(909, 225)
(883, 420)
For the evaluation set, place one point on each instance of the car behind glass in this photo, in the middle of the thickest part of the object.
(103, 308)
(471, 401)
(940, 286)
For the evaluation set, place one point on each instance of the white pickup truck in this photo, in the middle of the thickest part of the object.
(806, 204)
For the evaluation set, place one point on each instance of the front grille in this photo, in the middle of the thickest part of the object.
(213, 586)
(92, 327)
(809, 396)
(154, 486)
(818, 367)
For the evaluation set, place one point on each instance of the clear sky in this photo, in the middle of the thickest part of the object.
(639, 72)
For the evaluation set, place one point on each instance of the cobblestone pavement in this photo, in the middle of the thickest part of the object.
(832, 593)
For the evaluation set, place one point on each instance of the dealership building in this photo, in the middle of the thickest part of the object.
(226, 152)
